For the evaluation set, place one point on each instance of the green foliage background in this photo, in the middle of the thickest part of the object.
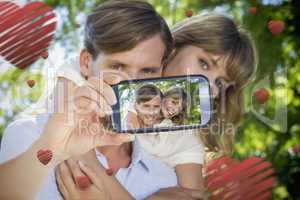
(277, 140)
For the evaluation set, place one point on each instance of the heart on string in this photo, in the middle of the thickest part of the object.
(229, 179)
(25, 33)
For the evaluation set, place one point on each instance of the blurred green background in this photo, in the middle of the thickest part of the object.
(270, 130)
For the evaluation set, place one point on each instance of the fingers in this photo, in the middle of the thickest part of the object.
(104, 89)
(95, 95)
(62, 90)
(61, 186)
(86, 100)
(92, 174)
(110, 138)
(66, 178)
(80, 178)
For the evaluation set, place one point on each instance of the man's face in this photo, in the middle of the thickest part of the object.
(144, 61)
(149, 111)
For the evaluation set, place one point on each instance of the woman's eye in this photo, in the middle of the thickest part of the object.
(203, 64)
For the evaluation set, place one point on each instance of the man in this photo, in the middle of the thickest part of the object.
(119, 41)
(114, 48)
(147, 107)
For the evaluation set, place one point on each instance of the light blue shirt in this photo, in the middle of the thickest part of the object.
(144, 176)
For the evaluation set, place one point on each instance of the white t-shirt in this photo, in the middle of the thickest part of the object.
(165, 123)
(172, 148)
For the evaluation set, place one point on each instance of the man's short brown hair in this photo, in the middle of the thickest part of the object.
(119, 25)
(146, 93)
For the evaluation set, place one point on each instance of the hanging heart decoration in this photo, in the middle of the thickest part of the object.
(25, 32)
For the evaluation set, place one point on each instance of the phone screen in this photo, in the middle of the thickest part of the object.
(162, 104)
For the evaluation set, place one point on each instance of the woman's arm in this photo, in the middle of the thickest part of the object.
(96, 172)
(115, 189)
(190, 176)
(190, 185)
(103, 184)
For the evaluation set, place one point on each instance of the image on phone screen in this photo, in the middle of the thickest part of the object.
(162, 104)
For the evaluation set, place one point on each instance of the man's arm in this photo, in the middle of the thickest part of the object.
(24, 170)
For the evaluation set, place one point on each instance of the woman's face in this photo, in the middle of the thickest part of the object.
(194, 60)
(171, 107)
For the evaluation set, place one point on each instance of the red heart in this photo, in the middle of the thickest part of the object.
(109, 172)
(276, 26)
(229, 179)
(83, 182)
(31, 83)
(25, 33)
(261, 95)
(44, 156)
(252, 10)
(189, 13)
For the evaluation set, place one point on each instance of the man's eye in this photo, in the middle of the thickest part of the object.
(203, 64)
(116, 67)
(149, 71)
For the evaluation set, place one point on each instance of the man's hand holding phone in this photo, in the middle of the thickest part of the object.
(77, 123)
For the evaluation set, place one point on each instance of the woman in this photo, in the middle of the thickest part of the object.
(175, 104)
(214, 46)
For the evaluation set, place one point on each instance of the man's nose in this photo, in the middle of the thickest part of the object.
(131, 75)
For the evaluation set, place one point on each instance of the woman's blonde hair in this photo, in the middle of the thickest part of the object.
(178, 93)
(220, 35)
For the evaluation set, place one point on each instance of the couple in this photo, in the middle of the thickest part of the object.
(152, 108)
(128, 40)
